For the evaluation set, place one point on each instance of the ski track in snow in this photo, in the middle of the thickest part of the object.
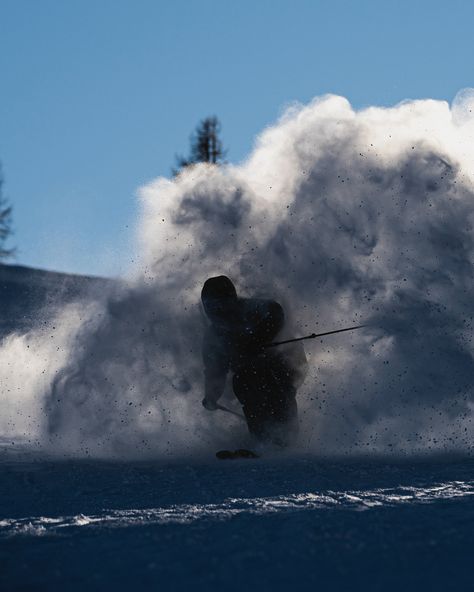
(234, 507)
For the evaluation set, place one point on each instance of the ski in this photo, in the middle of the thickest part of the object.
(233, 454)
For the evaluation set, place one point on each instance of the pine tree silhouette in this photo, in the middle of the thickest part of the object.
(206, 145)
(5, 223)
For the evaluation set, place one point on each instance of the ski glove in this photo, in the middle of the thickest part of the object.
(209, 405)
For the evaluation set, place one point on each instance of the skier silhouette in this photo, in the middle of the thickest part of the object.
(264, 380)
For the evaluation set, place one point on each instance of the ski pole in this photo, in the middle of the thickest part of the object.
(312, 336)
(222, 408)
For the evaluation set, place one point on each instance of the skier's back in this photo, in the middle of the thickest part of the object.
(264, 379)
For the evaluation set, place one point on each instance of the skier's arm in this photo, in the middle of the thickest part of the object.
(216, 366)
(214, 384)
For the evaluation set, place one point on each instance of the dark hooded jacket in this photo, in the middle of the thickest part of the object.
(235, 342)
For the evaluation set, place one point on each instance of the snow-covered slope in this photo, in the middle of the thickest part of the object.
(28, 295)
(270, 524)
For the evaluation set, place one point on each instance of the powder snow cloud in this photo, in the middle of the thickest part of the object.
(345, 217)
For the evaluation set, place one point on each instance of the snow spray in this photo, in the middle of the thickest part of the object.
(345, 217)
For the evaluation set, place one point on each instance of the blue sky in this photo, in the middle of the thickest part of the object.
(97, 96)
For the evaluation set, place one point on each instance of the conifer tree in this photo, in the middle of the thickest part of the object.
(5, 223)
(206, 145)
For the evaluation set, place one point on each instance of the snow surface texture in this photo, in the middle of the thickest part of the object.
(344, 217)
(282, 524)
(229, 508)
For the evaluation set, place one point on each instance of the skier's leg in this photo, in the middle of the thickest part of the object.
(248, 390)
(268, 396)
(283, 416)
(284, 426)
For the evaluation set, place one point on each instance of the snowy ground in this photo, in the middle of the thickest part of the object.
(274, 523)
